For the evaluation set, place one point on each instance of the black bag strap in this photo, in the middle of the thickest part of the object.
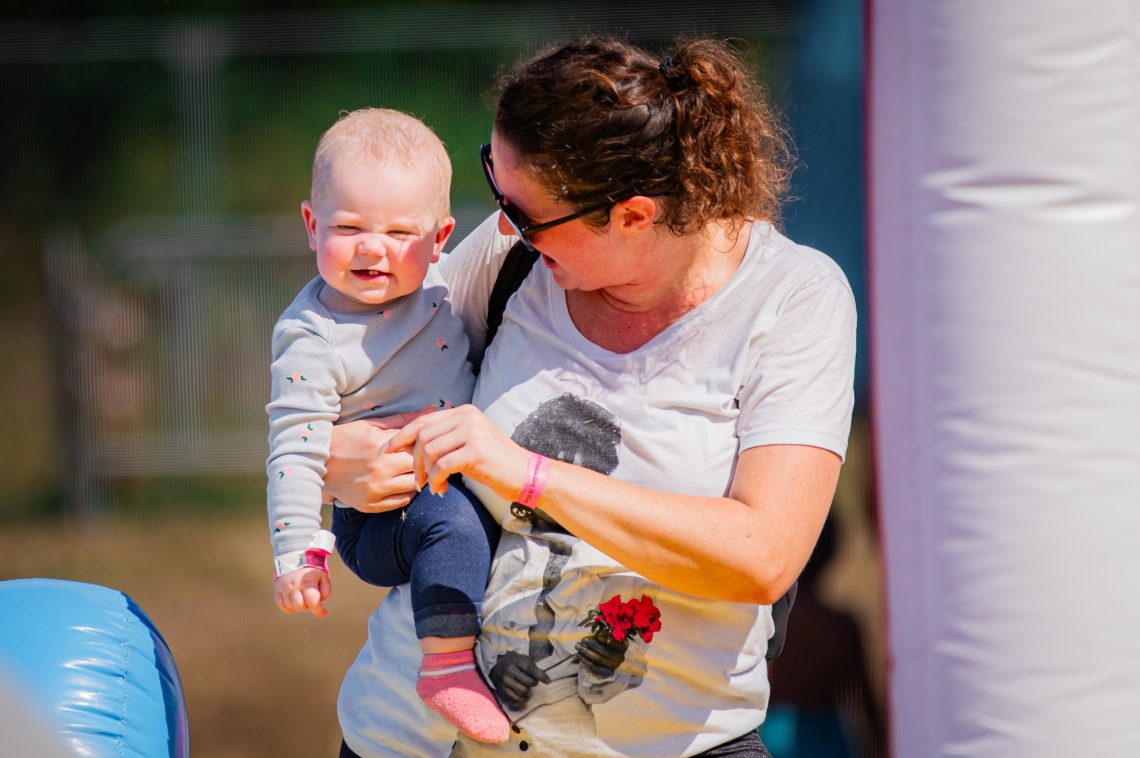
(516, 266)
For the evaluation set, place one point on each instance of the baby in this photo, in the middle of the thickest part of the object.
(374, 335)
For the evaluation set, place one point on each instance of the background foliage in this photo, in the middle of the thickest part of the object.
(155, 159)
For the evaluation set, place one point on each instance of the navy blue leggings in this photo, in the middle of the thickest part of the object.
(441, 544)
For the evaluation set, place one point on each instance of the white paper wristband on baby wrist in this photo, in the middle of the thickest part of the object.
(315, 556)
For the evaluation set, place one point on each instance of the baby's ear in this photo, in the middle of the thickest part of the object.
(310, 217)
(441, 235)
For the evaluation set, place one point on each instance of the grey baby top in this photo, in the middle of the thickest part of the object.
(332, 366)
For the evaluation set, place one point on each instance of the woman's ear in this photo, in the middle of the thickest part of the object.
(635, 214)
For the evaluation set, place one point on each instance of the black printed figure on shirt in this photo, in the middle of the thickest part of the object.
(573, 430)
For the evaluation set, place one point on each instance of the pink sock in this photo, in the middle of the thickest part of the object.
(450, 686)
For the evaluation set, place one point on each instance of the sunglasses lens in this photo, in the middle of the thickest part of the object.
(509, 213)
(512, 218)
(489, 172)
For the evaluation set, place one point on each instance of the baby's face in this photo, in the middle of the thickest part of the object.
(376, 229)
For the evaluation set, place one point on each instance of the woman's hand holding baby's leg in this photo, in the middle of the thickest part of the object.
(462, 441)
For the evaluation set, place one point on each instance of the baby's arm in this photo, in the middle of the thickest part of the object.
(305, 376)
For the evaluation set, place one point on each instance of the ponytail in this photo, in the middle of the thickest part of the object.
(599, 119)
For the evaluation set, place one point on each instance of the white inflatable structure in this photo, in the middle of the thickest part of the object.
(1005, 318)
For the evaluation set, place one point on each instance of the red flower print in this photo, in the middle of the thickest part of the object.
(646, 617)
(621, 619)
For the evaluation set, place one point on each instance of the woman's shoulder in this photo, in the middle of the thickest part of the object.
(470, 271)
(773, 251)
(474, 256)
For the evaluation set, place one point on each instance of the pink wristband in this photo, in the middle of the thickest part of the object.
(535, 481)
(318, 559)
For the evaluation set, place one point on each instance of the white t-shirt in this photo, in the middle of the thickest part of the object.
(768, 359)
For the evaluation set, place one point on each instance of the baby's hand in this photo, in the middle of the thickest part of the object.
(303, 590)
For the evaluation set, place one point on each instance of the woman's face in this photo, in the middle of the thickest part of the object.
(578, 256)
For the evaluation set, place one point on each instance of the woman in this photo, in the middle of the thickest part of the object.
(661, 417)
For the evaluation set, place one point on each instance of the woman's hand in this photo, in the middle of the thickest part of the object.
(360, 474)
(462, 441)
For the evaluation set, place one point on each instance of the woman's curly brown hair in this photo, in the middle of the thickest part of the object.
(600, 119)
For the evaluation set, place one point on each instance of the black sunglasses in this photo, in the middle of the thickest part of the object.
(525, 232)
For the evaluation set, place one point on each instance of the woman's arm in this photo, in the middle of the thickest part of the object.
(746, 547)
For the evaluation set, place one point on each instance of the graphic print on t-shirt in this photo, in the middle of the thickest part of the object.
(574, 430)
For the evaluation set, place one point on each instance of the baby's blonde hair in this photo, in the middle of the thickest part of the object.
(383, 135)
